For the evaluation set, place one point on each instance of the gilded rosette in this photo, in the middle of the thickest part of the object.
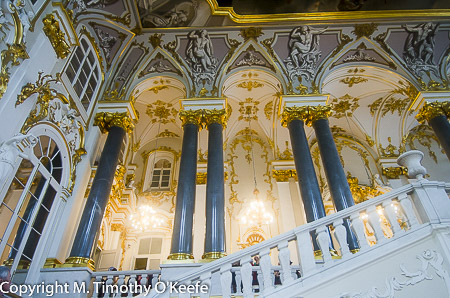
(191, 117)
(431, 110)
(294, 113)
(215, 116)
(106, 120)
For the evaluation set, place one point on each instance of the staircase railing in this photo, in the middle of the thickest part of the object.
(373, 222)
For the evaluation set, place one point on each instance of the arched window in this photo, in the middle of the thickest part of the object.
(161, 175)
(159, 171)
(83, 73)
(26, 204)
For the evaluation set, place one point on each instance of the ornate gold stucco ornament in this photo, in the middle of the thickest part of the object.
(56, 36)
(52, 106)
(308, 114)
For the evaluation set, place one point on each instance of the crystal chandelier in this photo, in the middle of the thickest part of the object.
(145, 218)
(256, 213)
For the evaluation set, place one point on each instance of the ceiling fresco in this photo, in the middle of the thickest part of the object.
(309, 6)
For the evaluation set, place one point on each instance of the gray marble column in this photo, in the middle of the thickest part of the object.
(337, 180)
(181, 248)
(436, 113)
(215, 190)
(117, 125)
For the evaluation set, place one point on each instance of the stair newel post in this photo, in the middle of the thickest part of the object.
(407, 207)
(266, 268)
(226, 278)
(305, 252)
(392, 217)
(340, 232)
(358, 228)
(246, 275)
(284, 256)
(323, 239)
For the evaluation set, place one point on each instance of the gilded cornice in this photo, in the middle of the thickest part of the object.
(106, 120)
(308, 114)
(431, 110)
(56, 36)
(215, 116)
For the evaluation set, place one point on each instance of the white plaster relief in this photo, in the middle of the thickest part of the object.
(429, 258)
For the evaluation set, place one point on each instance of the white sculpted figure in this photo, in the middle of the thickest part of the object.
(304, 46)
(199, 51)
(419, 45)
(9, 153)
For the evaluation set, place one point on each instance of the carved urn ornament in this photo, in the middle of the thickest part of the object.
(411, 160)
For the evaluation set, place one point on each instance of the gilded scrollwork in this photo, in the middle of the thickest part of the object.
(52, 106)
(394, 172)
(56, 36)
(425, 136)
(161, 112)
(248, 109)
(191, 117)
(344, 106)
(284, 175)
(308, 114)
(215, 116)
(366, 30)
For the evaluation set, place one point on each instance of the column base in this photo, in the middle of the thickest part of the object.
(180, 256)
(23, 264)
(79, 262)
(212, 256)
(52, 263)
(334, 255)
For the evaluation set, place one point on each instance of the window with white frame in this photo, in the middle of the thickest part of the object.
(26, 204)
(149, 254)
(83, 73)
(159, 171)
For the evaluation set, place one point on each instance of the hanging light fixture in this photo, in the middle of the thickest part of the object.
(145, 218)
(256, 213)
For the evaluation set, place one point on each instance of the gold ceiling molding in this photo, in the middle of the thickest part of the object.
(251, 33)
(249, 85)
(167, 134)
(390, 150)
(268, 109)
(248, 109)
(425, 136)
(364, 30)
(161, 112)
(344, 106)
(325, 16)
(56, 36)
(155, 40)
(286, 154)
(350, 81)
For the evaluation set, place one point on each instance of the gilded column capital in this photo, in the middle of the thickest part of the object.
(308, 114)
(215, 116)
(284, 175)
(191, 117)
(106, 120)
(294, 113)
(431, 110)
(318, 112)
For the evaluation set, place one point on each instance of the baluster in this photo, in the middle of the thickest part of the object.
(226, 279)
(392, 217)
(305, 253)
(206, 280)
(323, 241)
(358, 228)
(407, 207)
(246, 275)
(98, 285)
(238, 282)
(266, 268)
(121, 281)
(144, 280)
(375, 222)
(155, 278)
(284, 256)
(132, 280)
(260, 279)
(340, 232)
(109, 282)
